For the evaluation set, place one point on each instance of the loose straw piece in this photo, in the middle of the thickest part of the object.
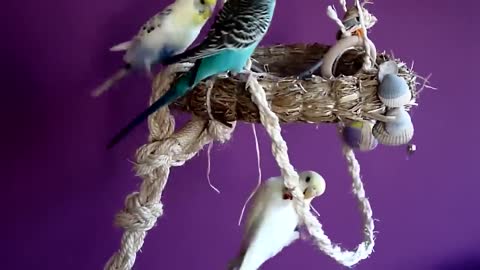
(315, 210)
(209, 150)
(210, 145)
(259, 180)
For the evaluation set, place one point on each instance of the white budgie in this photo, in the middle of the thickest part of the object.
(272, 222)
(167, 33)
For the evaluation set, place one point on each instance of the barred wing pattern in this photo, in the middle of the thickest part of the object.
(154, 22)
(240, 24)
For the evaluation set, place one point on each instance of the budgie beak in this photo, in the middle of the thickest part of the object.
(211, 5)
(313, 191)
(309, 193)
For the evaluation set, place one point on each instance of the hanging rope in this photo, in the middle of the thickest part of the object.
(154, 160)
(280, 152)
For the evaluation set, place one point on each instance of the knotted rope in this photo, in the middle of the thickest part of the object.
(165, 149)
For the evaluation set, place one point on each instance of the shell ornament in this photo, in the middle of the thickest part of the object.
(358, 135)
(393, 90)
(398, 131)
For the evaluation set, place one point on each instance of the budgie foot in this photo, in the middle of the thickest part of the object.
(300, 233)
(246, 75)
(148, 70)
(304, 236)
(224, 75)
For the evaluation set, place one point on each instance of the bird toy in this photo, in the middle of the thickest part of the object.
(227, 78)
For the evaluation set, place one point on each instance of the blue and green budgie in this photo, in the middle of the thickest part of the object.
(167, 33)
(235, 34)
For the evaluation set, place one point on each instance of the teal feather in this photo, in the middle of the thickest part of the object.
(234, 36)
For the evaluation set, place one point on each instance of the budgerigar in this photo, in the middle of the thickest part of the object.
(236, 32)
(167, 33)
(272, 222)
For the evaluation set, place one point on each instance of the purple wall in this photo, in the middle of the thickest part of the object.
(63, 189)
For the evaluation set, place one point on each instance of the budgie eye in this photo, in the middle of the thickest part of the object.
(307, 179)
(202, 2)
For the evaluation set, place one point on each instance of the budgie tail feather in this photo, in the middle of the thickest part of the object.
(175, 92)
(122, 46)
(107, 84)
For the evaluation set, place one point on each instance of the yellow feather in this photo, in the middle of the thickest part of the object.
(187, 14)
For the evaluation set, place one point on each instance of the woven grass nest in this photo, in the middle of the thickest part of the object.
(351, 95)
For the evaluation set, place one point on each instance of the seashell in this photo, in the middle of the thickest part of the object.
(389, 67)
(396, 132)
(358, 135)
(394, 91)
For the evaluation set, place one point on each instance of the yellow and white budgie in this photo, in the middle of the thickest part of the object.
(272, 221)
(167, 33)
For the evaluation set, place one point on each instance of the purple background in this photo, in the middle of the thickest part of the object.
(63, 189)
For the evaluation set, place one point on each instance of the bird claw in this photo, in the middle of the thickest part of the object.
(303, 236)
(148, 70)
(300, 233)
(224, 75)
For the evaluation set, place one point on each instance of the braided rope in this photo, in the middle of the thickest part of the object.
(280, 152)
(154, 160)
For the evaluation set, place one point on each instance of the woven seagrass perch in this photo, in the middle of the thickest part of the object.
(352, 96)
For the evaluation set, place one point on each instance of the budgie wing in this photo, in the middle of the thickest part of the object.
(236, 27)
(154, 22)
(257, 205)
(269, 233)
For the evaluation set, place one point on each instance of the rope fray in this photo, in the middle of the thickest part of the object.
(280, 152)
(210, 145)
(209, 151)
(259, 180)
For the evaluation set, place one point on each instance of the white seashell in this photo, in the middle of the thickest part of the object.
(389, 67)
(396, 132)
(358, 135)
(394, 91)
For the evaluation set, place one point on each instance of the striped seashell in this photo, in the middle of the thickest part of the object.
(396, 132)
(394, 91)
(358, 135)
